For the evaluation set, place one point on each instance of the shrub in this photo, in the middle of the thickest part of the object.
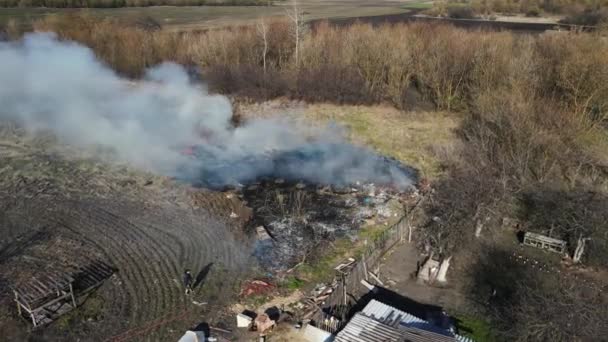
(588, 17)
(533, 12)
(461, 12)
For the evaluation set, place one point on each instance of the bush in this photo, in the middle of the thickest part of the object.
(461, 12)
(247, 81)
(527, 305)
(588, 17)
(533, 12)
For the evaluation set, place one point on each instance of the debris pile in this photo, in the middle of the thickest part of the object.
(256, 287)
(294, 220)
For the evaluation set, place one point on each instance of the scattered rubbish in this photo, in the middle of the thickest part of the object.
(312, 333)
(262, 234)
(303, 218)
(345, 266)
(263, 324)
(193, 336)
(233, 215)
(243, 321)
(199, 303)
(319, 289)
(256, 287)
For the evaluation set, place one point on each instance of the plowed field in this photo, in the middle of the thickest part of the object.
(148, 228)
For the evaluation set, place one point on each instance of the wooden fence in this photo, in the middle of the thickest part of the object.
(336, 308)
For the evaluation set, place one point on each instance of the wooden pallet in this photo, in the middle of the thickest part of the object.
(51, 294)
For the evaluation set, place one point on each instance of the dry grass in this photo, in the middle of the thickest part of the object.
(42, 166)
(411, 137)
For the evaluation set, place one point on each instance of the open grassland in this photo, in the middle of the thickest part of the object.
(203, 17)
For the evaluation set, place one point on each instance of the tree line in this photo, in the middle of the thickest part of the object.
(576, 12)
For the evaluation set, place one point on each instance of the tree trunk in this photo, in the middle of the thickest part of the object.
(409, 234)
(580, 249)
(478, 229)
(443, 270)
(263, 31)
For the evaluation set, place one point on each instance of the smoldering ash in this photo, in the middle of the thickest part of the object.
(59, 86)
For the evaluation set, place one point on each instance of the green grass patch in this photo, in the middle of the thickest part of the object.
(293, 283)
(322, 269)
(474, 327)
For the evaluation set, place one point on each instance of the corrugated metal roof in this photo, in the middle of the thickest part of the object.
(391, 316)
(366, 329)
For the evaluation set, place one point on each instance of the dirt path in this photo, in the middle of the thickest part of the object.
(397, 269)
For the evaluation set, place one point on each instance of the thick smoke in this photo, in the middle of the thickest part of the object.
(61, 87)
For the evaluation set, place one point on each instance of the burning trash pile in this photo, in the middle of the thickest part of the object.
(294, 220)
(338, 164)
(306, 197)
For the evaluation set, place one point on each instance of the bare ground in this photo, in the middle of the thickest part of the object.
(58, 210)
(397, 271)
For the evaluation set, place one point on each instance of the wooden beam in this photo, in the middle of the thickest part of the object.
(376, 278)
(26, 299)
(42, 285)
(72, 295)
(50, 302)
(17, 300)
(40, 289)
(33, 318)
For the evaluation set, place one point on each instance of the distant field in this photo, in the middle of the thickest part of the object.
(200, 17)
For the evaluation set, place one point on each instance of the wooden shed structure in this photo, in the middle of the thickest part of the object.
(545, 242)
(50, 294)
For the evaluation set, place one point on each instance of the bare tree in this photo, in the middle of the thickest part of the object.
(443, 270)
(524, 304)
(578, 216)
(262, 29)
(580, 249)
(296, 16)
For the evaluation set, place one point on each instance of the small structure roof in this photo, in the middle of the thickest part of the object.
(384, 323)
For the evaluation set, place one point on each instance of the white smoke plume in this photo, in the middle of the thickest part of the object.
(58, 86)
